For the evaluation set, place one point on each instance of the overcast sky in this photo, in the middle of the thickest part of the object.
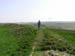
(34, 10)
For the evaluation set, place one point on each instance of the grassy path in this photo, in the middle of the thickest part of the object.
(58, 40)
(38, 39)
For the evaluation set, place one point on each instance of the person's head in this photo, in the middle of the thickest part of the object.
(39, 21)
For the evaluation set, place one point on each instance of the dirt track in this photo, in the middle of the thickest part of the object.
(38, 38)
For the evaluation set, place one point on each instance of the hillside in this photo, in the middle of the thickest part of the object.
(27, 40)
(56, 43)
(16, 40)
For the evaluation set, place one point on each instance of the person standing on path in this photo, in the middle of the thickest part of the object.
(39, 24)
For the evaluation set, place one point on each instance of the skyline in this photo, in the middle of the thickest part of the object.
(34, 10)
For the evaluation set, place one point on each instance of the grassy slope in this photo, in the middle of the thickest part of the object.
(16, 40)
(54, 41)
(8, 43)
(69, 35)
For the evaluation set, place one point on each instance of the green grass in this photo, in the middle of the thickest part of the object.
(69, 35)
(39, 53)
(54, 41)
(8, 43)
(16, 40)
